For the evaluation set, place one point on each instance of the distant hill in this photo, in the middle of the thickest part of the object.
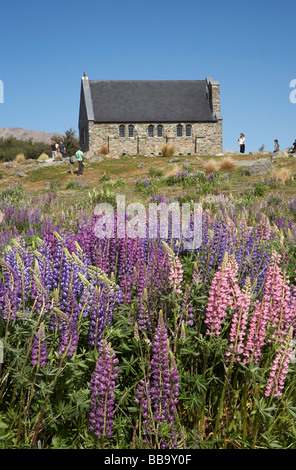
(24, 134)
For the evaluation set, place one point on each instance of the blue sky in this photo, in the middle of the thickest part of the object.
(249, 47)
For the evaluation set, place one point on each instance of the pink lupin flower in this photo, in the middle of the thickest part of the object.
(239, 321)
(176, 270)
(273, 315)
(221, 295)
(257, 332)
(278, 301)
(279, 369)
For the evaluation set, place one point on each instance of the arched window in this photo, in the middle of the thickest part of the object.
(159, 130)
(150, 131)
(188, 130)
(131, 130)
(179, 130)
(121, 130)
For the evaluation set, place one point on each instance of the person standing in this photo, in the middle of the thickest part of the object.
(276, 146)
(62, 149)
(53, 149)
(242, 141)
(71, 161)
(79, 158)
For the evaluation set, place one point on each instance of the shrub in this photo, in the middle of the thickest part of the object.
(20, 158)
(53, 185)
(75, 184)
(154, 172)
(228, 164)
(167, 150)
(211, 167)
(43, 157)
(282, 175)
(10, 148)
(104, 195)
(259, 188)
(103, 150)
(105, 177)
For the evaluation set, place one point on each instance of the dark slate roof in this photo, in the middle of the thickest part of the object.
(150, 101)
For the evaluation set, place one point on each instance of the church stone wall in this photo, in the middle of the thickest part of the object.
(205, 139)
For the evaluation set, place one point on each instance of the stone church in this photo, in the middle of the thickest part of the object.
(130, 117)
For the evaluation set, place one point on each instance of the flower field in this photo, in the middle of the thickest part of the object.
(138, 343)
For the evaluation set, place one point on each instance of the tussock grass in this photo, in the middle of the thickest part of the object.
(172, 170)
(211, 166)
(167, 150)
(281, 174)
(103, 150)
(228, 164)
(20, 158)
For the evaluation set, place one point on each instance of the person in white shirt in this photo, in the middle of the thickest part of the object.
(242, 141)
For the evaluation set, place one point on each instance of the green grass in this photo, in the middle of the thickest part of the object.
(127, 170)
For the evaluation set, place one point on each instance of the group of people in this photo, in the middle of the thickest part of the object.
(242, 142)
(60, 148)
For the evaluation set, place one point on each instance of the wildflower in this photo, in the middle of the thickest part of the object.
(158, 395)
(221, 295)
(239, 321)
(279, 369)
(102, 385)
(176, 270)
(39, 350)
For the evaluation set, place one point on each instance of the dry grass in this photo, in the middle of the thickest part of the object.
(103, 150)
(171, 170)
(43, 157)
(281, 174)
(211, 166)
(20, 158)
(228, 164)
(167, 150)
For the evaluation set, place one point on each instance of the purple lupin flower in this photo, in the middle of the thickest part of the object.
(158, 396)
(102, 385)
(39, 350)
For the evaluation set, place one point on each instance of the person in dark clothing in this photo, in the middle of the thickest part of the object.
(241, 142)
(276, 146)
(62, 149)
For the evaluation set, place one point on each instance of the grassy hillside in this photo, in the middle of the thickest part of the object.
(145, 177)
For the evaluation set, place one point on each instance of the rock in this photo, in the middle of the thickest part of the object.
(89, 154)
(21, 174)
(228, 152)
(9, 164)
(94, 158)
(219, 155)
(187, 162)
(198, 160)
(141, 165)
(174, 160)
(283, 154)
(260, 167)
